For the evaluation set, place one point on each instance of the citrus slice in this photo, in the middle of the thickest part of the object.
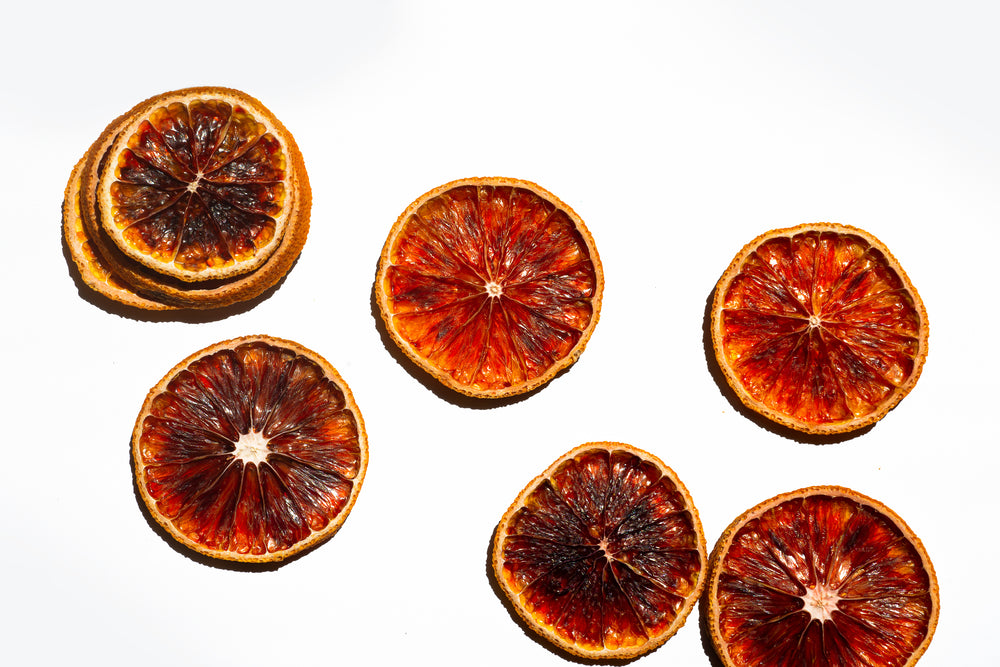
(818, 328)
(252, 449)
(491, 285)
(199, 184)
(821, 576)
(93, 270)
(209, 289)
(603, 553)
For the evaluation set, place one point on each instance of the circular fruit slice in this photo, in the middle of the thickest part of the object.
(199, 184)
(491, 285)
(252, 450)
(94, 271)
(821, 576)
(818, 328)
(602, 554)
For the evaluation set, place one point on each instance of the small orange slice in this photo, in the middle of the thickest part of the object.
(199, 184)
(818, 328)
(250, 450)
(603, 553)
(491, 285)
(821, 576)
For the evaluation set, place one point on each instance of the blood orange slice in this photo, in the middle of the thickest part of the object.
(818, 328)
(821, 576)
(227, 234)
(603, 553)
(251, 450)
(199, 184)
(95, 271)
(491, 285)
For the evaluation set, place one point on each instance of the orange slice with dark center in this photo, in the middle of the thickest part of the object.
(818, 328)
(199, 184)
(491, 285)
(603, 553)
(251, 450)
(821, 576)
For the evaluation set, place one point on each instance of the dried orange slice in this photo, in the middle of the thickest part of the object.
(199, 184)
(603, 553)
(227, 234)
(252, 449)
(491, 285)
(94, 271)
(821, 576)
(818, 328)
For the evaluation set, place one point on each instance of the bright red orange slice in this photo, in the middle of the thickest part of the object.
(491, 285)
(818, 328)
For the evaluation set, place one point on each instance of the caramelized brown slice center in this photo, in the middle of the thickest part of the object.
(199, 185)
(604, 552)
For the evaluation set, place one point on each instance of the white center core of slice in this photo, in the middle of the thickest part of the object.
(251, 448)
(820, 602)
(193, 185)
(814, 321)
(493, 289)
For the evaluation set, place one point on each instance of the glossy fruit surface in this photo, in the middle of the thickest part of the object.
(491, 285)
(818, 328)
(251, 450)
(603, 553)
(198, 186)
(196, 198)
(821, 576)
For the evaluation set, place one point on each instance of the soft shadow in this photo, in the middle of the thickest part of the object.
(188, 315)
(737, 404)
(706, 634)
(429, 382)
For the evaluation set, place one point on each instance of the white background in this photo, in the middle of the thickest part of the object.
(678, 131)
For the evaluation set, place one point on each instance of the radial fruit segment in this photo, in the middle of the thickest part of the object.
(603, 554)
(821, 576)
(817, 327)
(490, 285)
(250, 450)
(198, 189)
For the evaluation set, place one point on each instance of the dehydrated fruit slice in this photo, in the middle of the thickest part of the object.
(821, 576)
(252, 449)
(199, 184)
(491, 285)
(85, 222)
(603, 553)
(818, 328)
(94, 271)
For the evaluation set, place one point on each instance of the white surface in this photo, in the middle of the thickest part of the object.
(678, 131)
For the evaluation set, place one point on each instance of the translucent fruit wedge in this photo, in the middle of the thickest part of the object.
(251, 449)
(602, 554)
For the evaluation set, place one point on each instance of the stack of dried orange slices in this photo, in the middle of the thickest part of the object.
(195, 198)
